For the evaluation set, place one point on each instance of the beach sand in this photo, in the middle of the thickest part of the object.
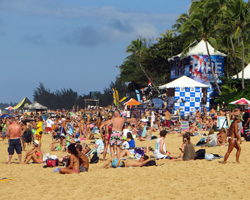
(200, 179)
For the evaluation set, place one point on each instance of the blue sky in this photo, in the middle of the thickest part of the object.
(73, 44)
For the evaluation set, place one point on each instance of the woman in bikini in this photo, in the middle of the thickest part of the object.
(73, 166)
(106, 134)
(233, 139)
(35, 154)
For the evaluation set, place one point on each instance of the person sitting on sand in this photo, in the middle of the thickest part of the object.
(147, 135)
(133, 130)
(73, 166)
(211, 139)
(130, 140)
(187, 150)
(62, 141)
(160, 148)
(35, 154)
(222, 137)
(115, 163)
(84, 161)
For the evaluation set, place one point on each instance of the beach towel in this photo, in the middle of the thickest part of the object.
(184, 126)
(144, 131)
(5, 179)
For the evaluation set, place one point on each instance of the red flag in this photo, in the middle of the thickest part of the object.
(149, 82)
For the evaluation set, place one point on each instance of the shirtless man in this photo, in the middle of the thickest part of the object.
(116, 163)
(233, 139)
(14, 133)
(107, 134)
(84, 161)
(116, 136)
(167, 118)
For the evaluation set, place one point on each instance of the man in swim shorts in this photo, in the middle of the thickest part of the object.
(167, 118)
(14, 133)
(115, 163)
(116, 136)
(234, 139)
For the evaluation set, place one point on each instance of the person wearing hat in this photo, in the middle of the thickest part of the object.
(55, 147)
(245, 123)
(35, 154)
(234, 139)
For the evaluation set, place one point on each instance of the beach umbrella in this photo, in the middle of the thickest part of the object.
(6, 116)
(8, 108)
(241, 101)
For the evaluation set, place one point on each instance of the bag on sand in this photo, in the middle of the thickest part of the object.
(150, 163)
(200, 154)
(94, 159)
(51, 162)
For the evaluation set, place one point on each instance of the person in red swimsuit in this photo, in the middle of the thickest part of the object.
(35, 154)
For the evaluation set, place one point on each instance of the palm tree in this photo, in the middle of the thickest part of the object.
(136, 48)
(200, 26)
(241, 22)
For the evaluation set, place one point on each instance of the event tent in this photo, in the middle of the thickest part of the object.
(246, 73)
(132, 102)
(182, 82)
(23, 103)
(35, 106)
(200, 49)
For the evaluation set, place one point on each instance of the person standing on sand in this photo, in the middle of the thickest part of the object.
(233, 139)
(14, 133)
(106, 134)
(116, 136)
(167, 118)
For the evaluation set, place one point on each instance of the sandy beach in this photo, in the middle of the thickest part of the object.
(200, 179)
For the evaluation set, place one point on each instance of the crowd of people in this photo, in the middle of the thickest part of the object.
(118, 132)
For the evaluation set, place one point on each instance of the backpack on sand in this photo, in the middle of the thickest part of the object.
(28, 136)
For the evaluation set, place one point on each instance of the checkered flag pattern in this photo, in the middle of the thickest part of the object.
(190, 100)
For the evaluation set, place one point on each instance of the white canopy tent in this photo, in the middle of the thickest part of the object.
(246, 73)
(200, 49)
(182, 82)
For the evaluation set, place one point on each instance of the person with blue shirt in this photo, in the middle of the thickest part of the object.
(130, 140)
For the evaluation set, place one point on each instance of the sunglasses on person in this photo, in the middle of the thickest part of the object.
(184, 140)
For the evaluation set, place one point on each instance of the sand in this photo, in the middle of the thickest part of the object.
(199, 179)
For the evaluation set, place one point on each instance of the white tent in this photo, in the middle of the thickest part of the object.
(183, 81)
(200, 49)
(246, 73)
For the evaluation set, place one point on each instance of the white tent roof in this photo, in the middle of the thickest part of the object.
(200, 49)
(181, 82)
(246, 73)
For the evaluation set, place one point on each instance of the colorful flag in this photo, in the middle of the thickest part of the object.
(149, 82)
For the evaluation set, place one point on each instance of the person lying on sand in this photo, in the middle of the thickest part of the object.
(35, 154)
(115, 163)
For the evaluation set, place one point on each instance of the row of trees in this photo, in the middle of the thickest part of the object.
(67, 98)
